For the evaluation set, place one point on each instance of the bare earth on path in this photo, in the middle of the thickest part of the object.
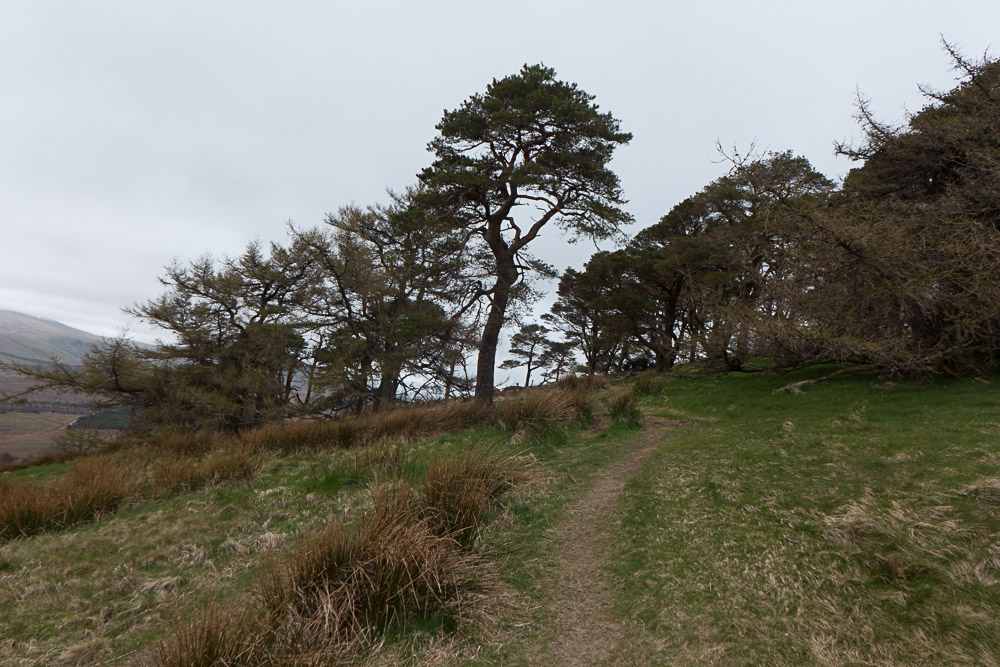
(581, 628)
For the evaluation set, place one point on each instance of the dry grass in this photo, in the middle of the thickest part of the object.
(183, 462)
(217, 636)
(904, 541)
(99, 484)
(531, 413)
(410, 557)
(461, 488)
(623, 408)
(93, 487)
(590, 383)
(649, 383)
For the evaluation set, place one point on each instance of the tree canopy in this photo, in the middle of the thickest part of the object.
(530, 151)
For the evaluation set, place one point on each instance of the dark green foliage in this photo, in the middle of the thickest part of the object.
(529, 139)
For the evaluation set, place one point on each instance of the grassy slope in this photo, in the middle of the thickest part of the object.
(107, 591)
(856, 523)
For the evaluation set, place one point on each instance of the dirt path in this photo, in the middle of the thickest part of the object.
(582, 630)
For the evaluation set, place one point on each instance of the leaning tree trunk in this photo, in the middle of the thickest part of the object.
(486, 364)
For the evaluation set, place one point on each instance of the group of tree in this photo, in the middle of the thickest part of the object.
(897, 267)
(385, 303)
(771, 265)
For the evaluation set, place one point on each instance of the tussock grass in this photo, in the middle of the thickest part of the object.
(175, 474)
(410, 557)
(533, 412)
(649, 383)
(583, 405)
(404, 424)
(590, 383)
(93, 487)
(99, 484)
(348, 583)
(217, 636)
(623, 408)
(460, 488)
(184, 462)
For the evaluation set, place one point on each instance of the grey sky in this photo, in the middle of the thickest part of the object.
(133, 132)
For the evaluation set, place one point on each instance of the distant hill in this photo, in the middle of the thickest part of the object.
(33, 340)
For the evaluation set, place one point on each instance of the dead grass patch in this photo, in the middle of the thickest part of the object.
(409, 558)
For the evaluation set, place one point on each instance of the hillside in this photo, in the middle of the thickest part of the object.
(32, 340)
(852, 523)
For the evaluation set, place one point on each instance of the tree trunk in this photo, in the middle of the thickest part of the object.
(486, 364)
(385, 393)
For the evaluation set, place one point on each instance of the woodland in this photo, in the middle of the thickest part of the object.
(773, 266)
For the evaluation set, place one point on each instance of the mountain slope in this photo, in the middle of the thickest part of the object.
(33, 340)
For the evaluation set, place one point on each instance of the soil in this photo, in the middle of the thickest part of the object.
(582, 630)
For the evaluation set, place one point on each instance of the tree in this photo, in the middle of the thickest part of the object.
(912, 244)
(530, 141)
(556, 360)
(527, 346)
(733, 259)
(234, 351)
(584, 315)
(391, 301)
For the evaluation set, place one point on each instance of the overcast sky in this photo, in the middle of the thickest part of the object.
(133, 132)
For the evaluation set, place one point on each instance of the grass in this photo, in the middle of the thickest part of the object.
(183, 462)
(854, 523)
(623, 408)
(409, 557)
(193, 541)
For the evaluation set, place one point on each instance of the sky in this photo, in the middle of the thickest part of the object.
(134, 132)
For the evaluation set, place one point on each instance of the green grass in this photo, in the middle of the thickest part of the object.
(108, 590)
(855, 523)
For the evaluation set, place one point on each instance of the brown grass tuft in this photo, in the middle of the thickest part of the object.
(534, 412)
(217, 636)
(347, 583)
(461, 488)
(95, 485)
(623, 408)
